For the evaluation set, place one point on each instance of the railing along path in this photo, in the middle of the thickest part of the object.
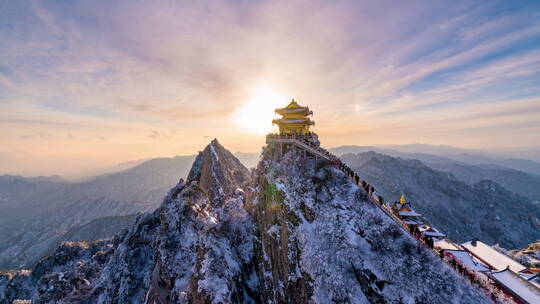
(304, 143)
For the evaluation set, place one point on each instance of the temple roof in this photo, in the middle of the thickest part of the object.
(293, 105)
(294, 108)
(517, 285)
(465, 259)
(306, 121)
(405, 208)
(430, 231)
(492, 257)
(409, 213)
(445, 244)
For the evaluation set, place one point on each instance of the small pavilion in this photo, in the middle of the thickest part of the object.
(404, 210)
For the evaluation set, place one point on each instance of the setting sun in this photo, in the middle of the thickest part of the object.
(257, 113)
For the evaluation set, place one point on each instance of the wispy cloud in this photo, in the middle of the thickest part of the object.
(119, 69)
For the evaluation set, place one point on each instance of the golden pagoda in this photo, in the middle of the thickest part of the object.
(294, 119)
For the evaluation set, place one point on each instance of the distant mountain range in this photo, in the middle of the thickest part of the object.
(28, 239)
(530, 153)
(484, 210)
(504, 173)
(38, 213)
(439, 154)
(291, 231)
(145, 183)
(516, 181)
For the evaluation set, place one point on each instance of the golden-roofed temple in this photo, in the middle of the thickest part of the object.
(294, 119)
(295, 135)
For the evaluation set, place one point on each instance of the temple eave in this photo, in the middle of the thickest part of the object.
(298, 111)
(293, 122)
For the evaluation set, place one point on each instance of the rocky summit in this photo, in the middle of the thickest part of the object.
(291, 231)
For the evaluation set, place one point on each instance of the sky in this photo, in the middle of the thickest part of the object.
(88, 84)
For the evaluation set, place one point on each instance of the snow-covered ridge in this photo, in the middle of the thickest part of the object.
(217, 171)
(340, 247)
(293, 231)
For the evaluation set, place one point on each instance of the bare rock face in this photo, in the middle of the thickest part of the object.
(292, 232)
(218, 172)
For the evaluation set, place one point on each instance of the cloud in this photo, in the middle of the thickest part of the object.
(39, 135)
(125, 68)
(159, 135)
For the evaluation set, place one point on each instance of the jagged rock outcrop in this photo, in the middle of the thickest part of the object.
(293, 231)
(217, 172)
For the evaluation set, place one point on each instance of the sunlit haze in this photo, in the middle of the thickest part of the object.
(89, 84)
(257, 113)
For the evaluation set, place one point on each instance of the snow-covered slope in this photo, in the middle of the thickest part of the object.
(322, 242)
(485, 210)
(290, 232)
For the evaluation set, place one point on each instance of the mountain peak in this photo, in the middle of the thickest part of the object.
(217, 171)
(300, 233)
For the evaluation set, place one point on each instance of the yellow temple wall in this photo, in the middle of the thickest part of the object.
(292, 129)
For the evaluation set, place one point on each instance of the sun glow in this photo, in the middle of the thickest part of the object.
(257, 114)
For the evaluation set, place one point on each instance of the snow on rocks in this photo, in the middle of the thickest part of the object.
(197, 247)
(350, 252)
(294, 231)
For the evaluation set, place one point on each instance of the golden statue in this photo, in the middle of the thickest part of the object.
(402, 200)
